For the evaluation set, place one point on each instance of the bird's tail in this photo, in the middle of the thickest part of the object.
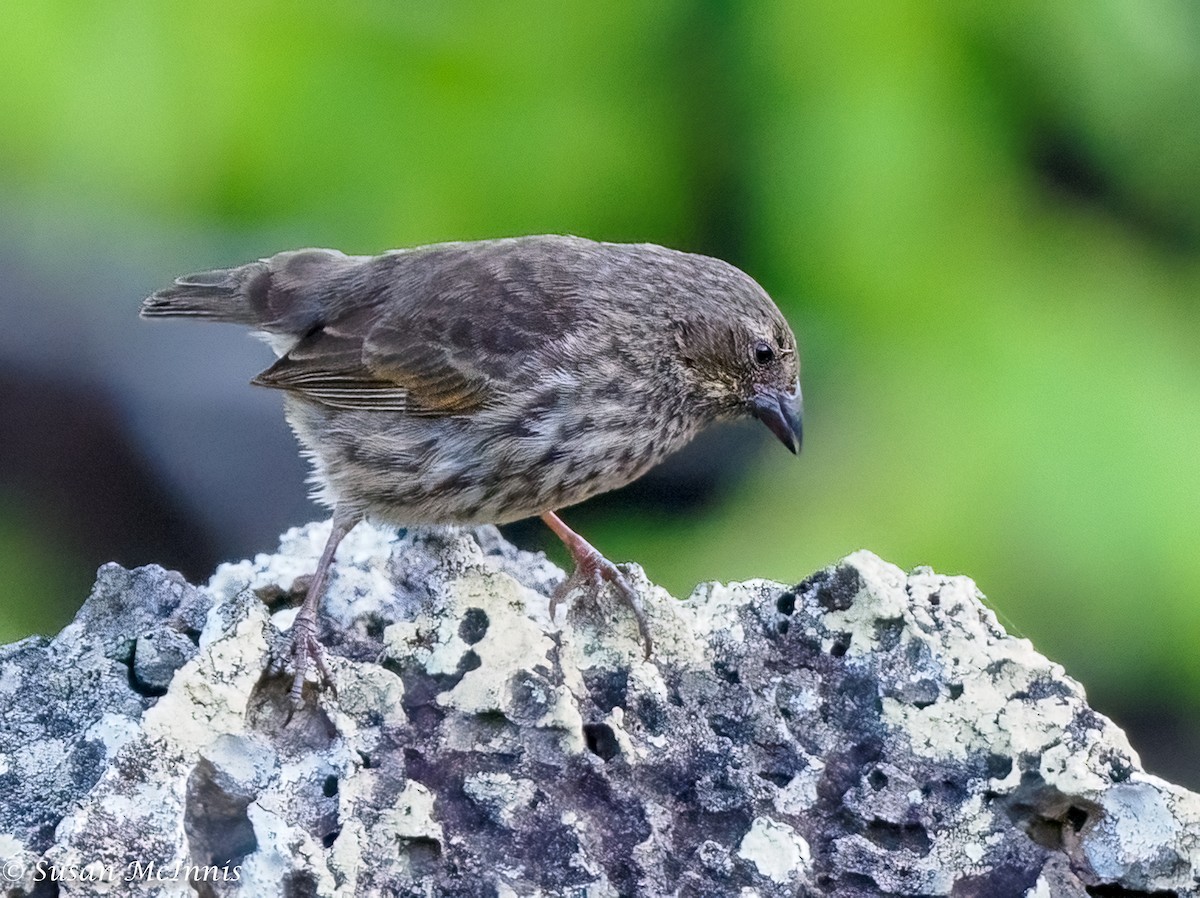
(226, 294)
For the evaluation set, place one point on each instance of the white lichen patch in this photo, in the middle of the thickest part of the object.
(776, 849)
(1041, 889)
(714, 608)
(448, 652)
(209, 693)
(1140, 818)
(299, 550)
(511, 644)
(800, 793)
(1072, 769)
(859, 620)
(281, 845)
(988, 670)
(359, 580)
(10, 680)
(502, 796)
(412, 817)
(365, 689)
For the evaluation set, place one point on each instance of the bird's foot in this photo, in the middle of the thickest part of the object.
(306, 650)
(592, 571)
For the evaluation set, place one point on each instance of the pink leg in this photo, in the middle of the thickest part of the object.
(306, 647)
(592, 567)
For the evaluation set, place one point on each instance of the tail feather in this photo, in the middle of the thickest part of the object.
(232, 295)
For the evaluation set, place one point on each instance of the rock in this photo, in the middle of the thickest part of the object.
(867, 732)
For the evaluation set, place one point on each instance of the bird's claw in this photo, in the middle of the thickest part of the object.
(306, 650)
(591, 572)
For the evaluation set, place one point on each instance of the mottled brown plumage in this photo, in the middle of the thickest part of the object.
(492, 381)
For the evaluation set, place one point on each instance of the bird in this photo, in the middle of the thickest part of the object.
(483, 382)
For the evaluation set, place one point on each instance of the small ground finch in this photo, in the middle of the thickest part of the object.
(485, 382)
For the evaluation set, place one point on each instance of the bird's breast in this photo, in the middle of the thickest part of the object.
(531, 451)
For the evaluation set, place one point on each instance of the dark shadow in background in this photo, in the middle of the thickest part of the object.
(70, 466)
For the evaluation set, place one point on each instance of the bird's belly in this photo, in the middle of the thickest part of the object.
(488, 468)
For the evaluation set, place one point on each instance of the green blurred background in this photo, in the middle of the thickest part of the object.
(983, 221)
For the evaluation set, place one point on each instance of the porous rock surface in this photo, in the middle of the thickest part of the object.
(866, 732)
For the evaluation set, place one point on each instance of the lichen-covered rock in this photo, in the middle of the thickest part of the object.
(866, 732)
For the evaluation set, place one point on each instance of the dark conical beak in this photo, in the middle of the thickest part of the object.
(781, 412)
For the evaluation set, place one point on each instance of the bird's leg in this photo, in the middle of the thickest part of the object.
(306, 647)
(592, 567)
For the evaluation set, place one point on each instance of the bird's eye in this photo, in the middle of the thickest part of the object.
(763, 353)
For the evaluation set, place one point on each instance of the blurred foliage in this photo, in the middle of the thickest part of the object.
(982, 219)
(33, 583)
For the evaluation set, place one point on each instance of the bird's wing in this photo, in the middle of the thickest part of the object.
(358, 363)
(439, 332)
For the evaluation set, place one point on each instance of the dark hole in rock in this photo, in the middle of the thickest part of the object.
(998, 766)
(136, 683)
(652, 714)
(420, 694)
(1045, 811)
(492, 720)
(777, 777)
(330, 837)
(935, 598)
(330, 787)
(423, 856)
(947, 791)
(956, 690)
(491, 728)
(1077, 817)
(730, 727)
(839, 647)
(1047, 833)
(1011, 878)
(601, 741)
(275, 596)
(1116, 891)
(836, 589)
(877, 779)
(44, 889)
(375, 626)
(899, 836)
(844, 770)
(726, 671)
(888, 632)
(1120, 769)
(608, 688)
(473, 626)
(300, 884)
(784, 626)
(218, 828)
(469, 661)
(786, 603)
(366, 760)
(849, 884)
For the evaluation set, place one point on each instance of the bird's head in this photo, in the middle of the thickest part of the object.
(741, 359)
